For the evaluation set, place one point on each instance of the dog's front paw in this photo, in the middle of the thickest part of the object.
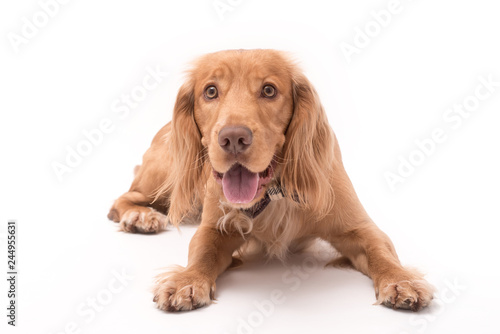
(409, 294)
(143, 220)
(182, 290)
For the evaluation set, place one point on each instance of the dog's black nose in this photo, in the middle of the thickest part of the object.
(235, 139)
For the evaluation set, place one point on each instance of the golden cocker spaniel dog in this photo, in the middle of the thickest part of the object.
(250, 151)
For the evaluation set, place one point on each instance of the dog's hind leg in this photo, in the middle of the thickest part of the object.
(137, 210)
(134, 213)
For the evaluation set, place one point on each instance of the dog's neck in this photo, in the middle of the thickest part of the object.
(274, 192)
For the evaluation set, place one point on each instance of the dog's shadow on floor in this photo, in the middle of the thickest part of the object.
(300, 276)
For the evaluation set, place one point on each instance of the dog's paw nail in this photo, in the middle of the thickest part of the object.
(179, 290)
(406, 294)
(143, 220)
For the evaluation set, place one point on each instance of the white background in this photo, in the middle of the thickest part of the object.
(443, 219)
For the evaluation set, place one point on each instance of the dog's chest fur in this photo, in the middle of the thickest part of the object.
(275, 229)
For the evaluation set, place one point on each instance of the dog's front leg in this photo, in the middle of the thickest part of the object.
(365, 247)
(370, 251)
(210, 254)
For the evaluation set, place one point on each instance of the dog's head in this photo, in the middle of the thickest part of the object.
(246, 118)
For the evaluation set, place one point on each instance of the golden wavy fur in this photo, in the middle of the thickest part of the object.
(253, 114)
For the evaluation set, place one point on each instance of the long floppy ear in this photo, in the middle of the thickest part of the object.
(185, 183)
(308, 151)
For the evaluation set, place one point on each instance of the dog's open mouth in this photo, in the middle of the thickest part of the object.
(242, 186)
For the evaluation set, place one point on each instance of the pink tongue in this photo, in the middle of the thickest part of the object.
(239, 184)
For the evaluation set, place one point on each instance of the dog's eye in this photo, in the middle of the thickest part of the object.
(211, 92)
(268, 91)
